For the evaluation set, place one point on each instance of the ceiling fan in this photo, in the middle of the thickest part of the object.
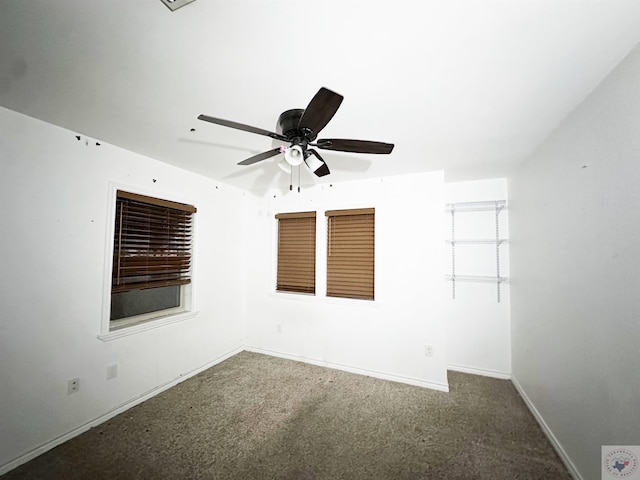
(300, 128)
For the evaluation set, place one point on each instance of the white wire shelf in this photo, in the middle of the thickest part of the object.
(496, 206)
(476, 206)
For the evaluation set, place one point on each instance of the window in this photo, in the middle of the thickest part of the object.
(151, 258)
(296, 252)
(350, 253)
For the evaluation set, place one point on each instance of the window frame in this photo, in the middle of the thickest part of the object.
(331, 289)
(304, 288)
(111, 329)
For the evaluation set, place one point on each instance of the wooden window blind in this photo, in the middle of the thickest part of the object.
(152, 243)
(351, 253)
(296, 252)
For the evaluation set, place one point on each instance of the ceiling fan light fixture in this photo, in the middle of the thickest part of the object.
(313, 163)
(294, 155)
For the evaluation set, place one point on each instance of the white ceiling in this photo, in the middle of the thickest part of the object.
(471, 87)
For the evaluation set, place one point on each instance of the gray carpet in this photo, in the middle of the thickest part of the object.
(260, 417)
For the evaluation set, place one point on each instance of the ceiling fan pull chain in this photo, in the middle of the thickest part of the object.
(298, 178)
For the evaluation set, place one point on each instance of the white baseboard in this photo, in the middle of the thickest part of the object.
(30, 455)
(480, 371)
(573, 471)
(347, 368)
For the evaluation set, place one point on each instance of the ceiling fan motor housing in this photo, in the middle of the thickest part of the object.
(288, 123)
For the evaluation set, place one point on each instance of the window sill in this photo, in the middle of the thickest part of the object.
(306, 297)
(143, 327)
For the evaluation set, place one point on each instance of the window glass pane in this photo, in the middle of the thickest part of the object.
(138, 302)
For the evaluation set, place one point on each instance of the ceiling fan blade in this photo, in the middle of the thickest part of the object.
(318, 166)
(241, 126)
(320, 110)
(355, 146)
(261, 156)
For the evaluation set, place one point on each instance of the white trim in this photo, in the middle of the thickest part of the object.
(111, 413)
(310, 297)
(149, 325)
(573, 471)
(442, 387)
(320, 294)
(30, 455)
(485, 372)
(188, 303)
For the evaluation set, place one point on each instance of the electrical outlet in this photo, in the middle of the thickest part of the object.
(112, 371)
(73, 386)
(428, 350)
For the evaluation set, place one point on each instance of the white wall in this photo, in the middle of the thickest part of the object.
(385, 337)
(575, 269)
(478, 326)
(54, 197)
